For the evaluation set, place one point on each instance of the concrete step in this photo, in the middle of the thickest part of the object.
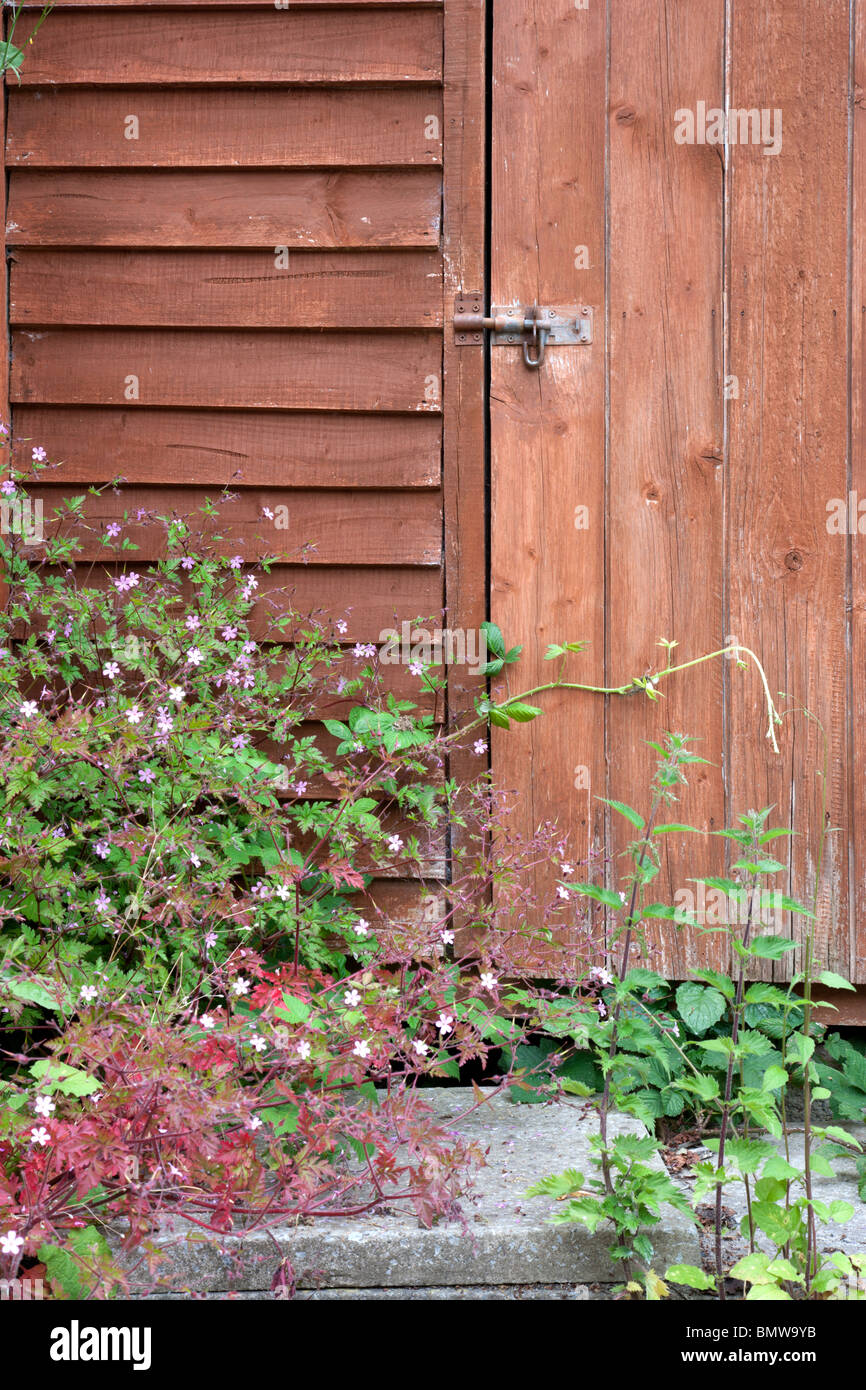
(506, 1240)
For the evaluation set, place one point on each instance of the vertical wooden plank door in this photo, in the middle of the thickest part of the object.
(690, 170)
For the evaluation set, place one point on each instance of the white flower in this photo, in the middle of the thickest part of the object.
(304, 1050)
(241, 986)
(176, 693)
(11, 1243)
(600, 976)
(195, 861)
(207, 1021)
(445, 1023)
(43, 1105)
(111, 669)
(565, 869)
(40, 1136)
(258, 1042)
(254, 1123)
(283, 892)
(361, 1048)
(352, 998)
(562, 892)
(416, 669)
(395, 844)
(479, 746)
(194, 657)
(420, 1047)
(623, 899)
(89, 993)
(447, 937)
(362, 927)
(29, 709)
(488, 981)
(134, 715)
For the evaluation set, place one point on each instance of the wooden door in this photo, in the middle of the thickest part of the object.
(676, 478)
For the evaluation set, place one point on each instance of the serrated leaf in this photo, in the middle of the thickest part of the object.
(631, 815)
(834, 981)
(771, 947)
(519, 712)
(699, 1006)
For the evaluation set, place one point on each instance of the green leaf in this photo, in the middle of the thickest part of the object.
(293, 1009)
(494, 639)
(57, 1076)
(774, 1078)
(521, 713)
(674, 828)
(752, 1269)
(834, 981)
(62, 1270)
(841, 1211)
(690, 1276)
(699, 1006)
(771, 947)
(599, 895)
(631, 815)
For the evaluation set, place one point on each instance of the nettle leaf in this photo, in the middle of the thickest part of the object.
(721, 982)
(599, 895)
(834, 981)
(771, 947)
(631, 815)
(690, 1276)
(293, 1009)
(699, 1006)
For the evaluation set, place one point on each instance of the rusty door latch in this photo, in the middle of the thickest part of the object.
(530, 326)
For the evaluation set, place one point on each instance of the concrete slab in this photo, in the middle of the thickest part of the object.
(506, 1240)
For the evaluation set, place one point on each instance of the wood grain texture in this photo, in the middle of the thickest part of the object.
(368, 599)
(857, 542)
(788, 434)
(67, 128)
(324, 371)
(233, 448)
(230, 289)
(464, 479)
(338, 525)
(547, 426)
(244, 207)
(229, 4)
(239, 45)
(664, 500)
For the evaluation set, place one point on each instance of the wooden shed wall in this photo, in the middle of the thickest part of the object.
(240, 207)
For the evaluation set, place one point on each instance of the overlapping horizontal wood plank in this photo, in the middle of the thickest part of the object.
(238, 45)
(368, 528)
(282, 5)
(325, 371)
(240, 289)
(369, 599)
(237, 448)
(264, 208)
(175, 128)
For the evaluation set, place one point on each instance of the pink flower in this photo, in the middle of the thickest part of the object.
(147, 774)
(304, 1050)
(39, 454)
(7, 487)
(395, 844)
(192, 622)
(113, 529)
(229, 632)
(111, 670)
(600, 976)
(134, 715)
(416, 669)
(445, 1022)
(342, 627)
(102, 848)
(235, 562)
(88, 993)
(11, 1243)
(300, 788)
(187, 563)
(194, 657)
(479, 746)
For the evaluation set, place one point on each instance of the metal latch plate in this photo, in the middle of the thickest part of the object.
(569, 325)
